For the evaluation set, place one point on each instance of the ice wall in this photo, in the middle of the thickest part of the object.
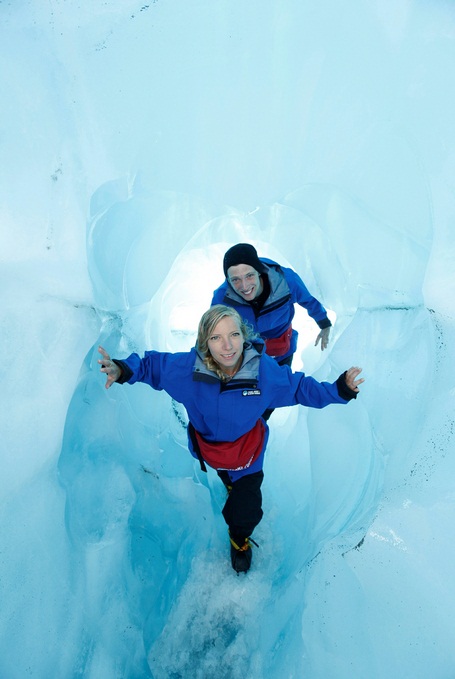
(172, 130)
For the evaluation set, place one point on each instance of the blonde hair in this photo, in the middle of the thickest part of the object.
(207, 324)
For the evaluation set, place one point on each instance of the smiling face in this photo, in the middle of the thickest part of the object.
(226, 344)
(245, 280)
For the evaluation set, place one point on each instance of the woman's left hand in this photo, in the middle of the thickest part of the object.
(351, 380)
(111, 369)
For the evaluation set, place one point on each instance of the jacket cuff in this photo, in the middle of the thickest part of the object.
(127, 373)
(343, 390)
(325, 323)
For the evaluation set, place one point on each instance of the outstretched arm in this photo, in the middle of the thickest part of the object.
(108, 366)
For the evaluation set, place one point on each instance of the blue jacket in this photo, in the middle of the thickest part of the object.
(286, 289)
(224, 411)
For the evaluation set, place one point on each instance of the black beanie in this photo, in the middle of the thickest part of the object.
(242, 253)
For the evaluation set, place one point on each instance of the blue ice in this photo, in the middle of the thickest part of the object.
(139, 141)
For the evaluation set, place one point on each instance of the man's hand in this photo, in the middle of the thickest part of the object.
(324, 337)
(112, 370)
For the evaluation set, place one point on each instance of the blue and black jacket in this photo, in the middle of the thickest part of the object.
(224, 411)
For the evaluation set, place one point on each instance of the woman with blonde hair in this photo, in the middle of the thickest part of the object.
(226, 382)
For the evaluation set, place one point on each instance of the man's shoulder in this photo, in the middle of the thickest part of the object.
(219, 292)
(279, 270)
(270, 262)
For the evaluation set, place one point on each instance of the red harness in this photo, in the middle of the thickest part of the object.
(233, 455)
(279, 346)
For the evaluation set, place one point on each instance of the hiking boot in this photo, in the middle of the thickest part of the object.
(241, 554)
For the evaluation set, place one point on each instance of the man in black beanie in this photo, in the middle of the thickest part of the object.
(264, 294)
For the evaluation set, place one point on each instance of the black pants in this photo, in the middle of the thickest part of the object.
(286, 361)
(243, 509)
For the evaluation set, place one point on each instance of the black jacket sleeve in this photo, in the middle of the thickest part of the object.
(126, 371)
(343, 390)
(325, 323)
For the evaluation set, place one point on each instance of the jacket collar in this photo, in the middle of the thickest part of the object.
(248, 372)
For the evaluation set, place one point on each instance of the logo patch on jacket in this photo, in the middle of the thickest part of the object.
(251, 392)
